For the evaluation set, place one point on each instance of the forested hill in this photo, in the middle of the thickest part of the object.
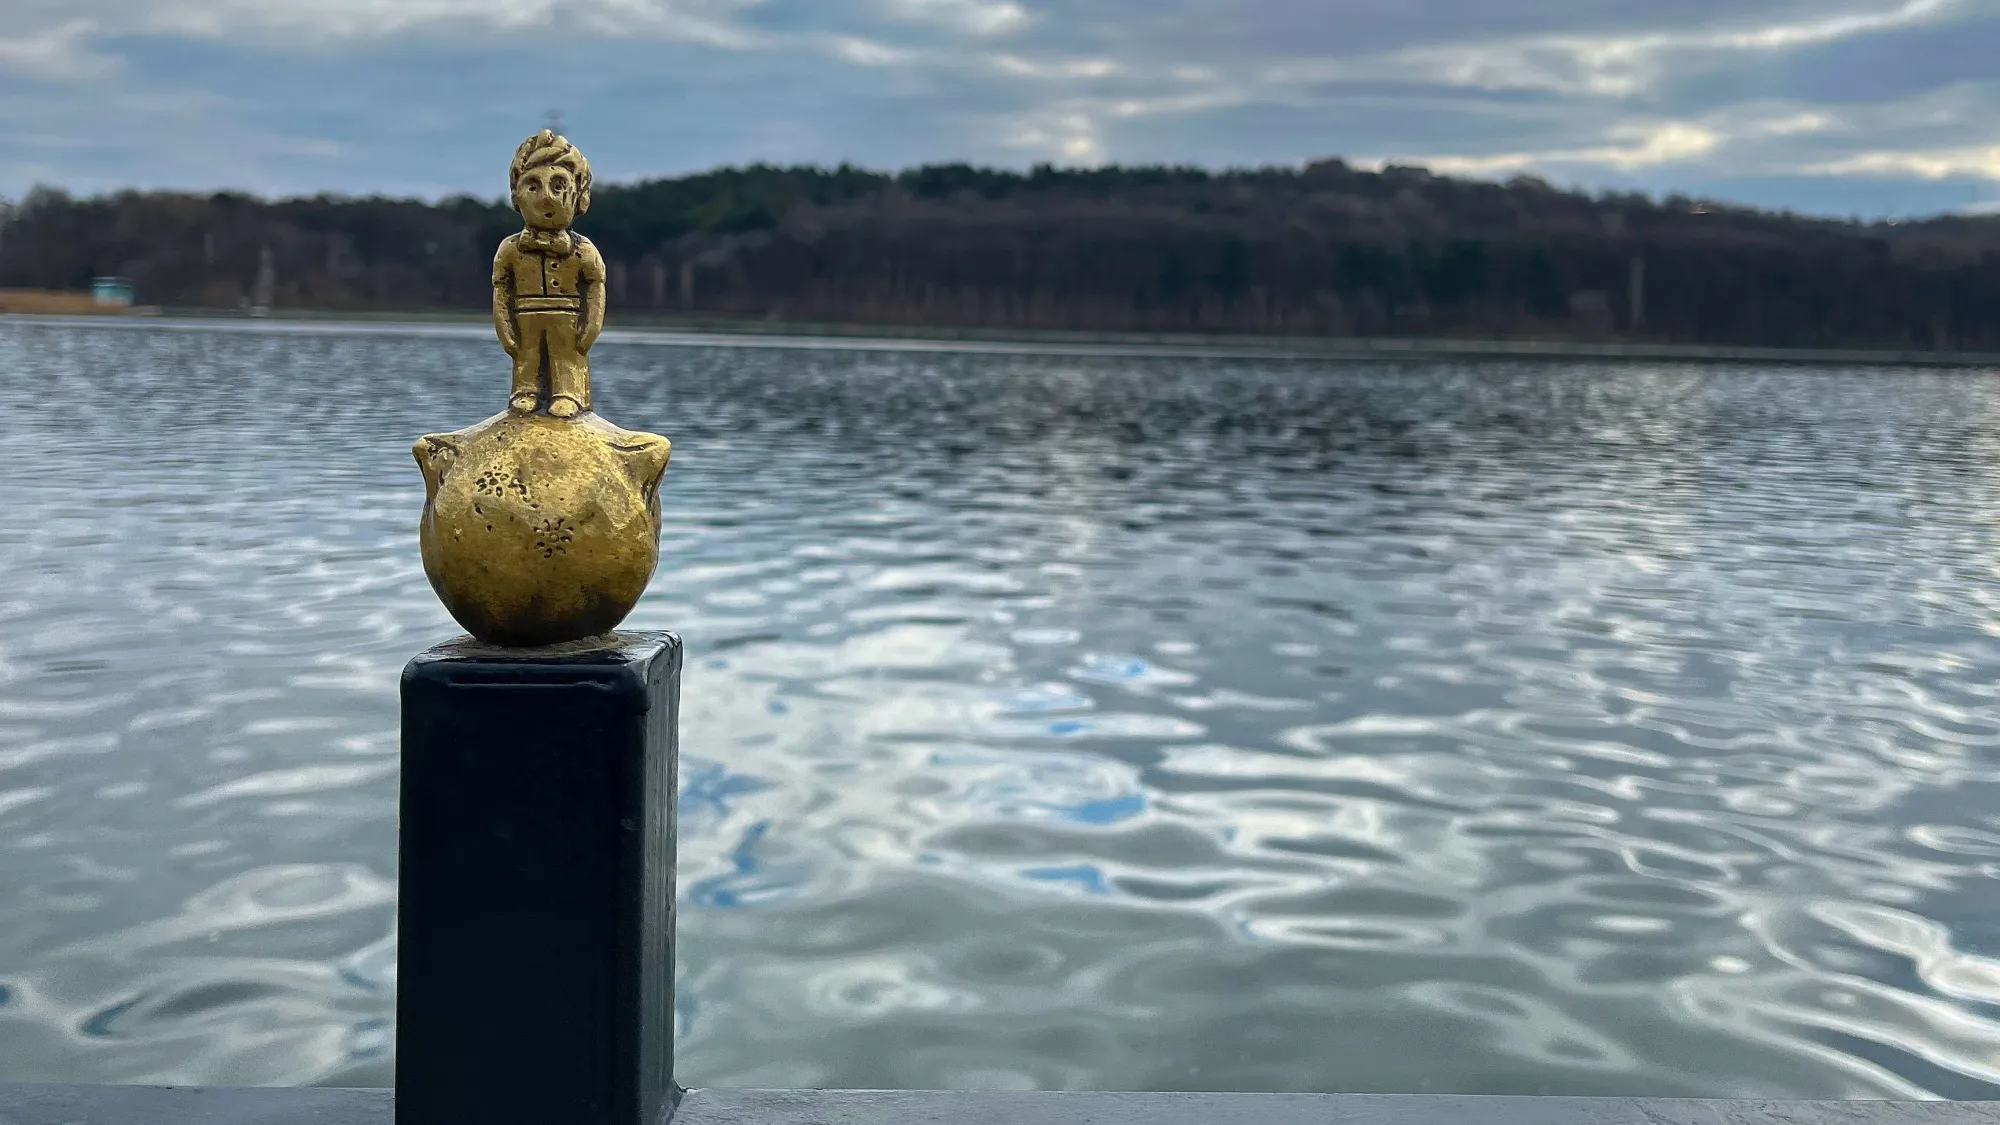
(1326, 249)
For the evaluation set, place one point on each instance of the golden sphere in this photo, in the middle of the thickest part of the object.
(539, 530)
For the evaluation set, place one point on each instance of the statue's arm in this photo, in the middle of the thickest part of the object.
(592, 276)
(503, 302)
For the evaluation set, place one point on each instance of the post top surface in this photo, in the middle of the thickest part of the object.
(622, 647)
(620, 658)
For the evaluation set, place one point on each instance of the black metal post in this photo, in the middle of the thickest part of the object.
(536, 934)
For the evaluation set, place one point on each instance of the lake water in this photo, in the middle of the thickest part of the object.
(1056, 721)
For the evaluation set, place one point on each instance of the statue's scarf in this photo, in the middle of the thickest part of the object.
(556, 243)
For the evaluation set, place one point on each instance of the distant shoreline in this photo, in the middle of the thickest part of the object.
(781, 334)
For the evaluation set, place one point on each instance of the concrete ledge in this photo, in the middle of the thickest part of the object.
(184, 1105)
(151, 1105)
(918, 1107)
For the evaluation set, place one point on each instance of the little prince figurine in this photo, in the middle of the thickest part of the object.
(548, 281)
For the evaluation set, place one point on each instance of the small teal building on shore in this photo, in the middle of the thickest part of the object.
(111, 292)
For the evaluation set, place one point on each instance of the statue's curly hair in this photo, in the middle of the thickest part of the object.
(546, 148)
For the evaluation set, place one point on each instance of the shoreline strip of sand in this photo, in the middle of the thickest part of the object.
(768, 334)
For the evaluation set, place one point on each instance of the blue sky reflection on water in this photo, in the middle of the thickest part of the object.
(751, 881)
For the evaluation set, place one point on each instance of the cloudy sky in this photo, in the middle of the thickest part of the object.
(1865, 107)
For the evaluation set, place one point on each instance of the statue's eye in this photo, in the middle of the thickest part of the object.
(558, 184)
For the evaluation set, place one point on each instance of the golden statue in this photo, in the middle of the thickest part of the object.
(542, 524)
(548, 281)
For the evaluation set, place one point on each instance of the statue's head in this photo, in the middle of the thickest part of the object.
(550, 181)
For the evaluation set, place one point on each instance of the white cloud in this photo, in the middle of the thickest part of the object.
(1168, 105)
(1069, 127)
(1831, 28)
(317, 21)
(1065, 135)
(1020, 67)
(61, 51)
(867, 52)
(339, 19)
(1624, 65)
(1629, 146)
(1634, 145)
(1072, 130)
(978, 17)
(1642, 146)
(1794, 124)
(1925, 164)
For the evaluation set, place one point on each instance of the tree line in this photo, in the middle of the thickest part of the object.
(1326, 249)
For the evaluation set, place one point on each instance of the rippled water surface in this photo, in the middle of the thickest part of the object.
(1057, 721)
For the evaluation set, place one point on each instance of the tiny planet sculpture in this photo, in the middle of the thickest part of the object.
(541, 524)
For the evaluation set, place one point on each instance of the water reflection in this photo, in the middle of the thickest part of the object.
(1059, 721)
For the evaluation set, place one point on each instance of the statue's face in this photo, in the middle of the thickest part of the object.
(547, 198)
